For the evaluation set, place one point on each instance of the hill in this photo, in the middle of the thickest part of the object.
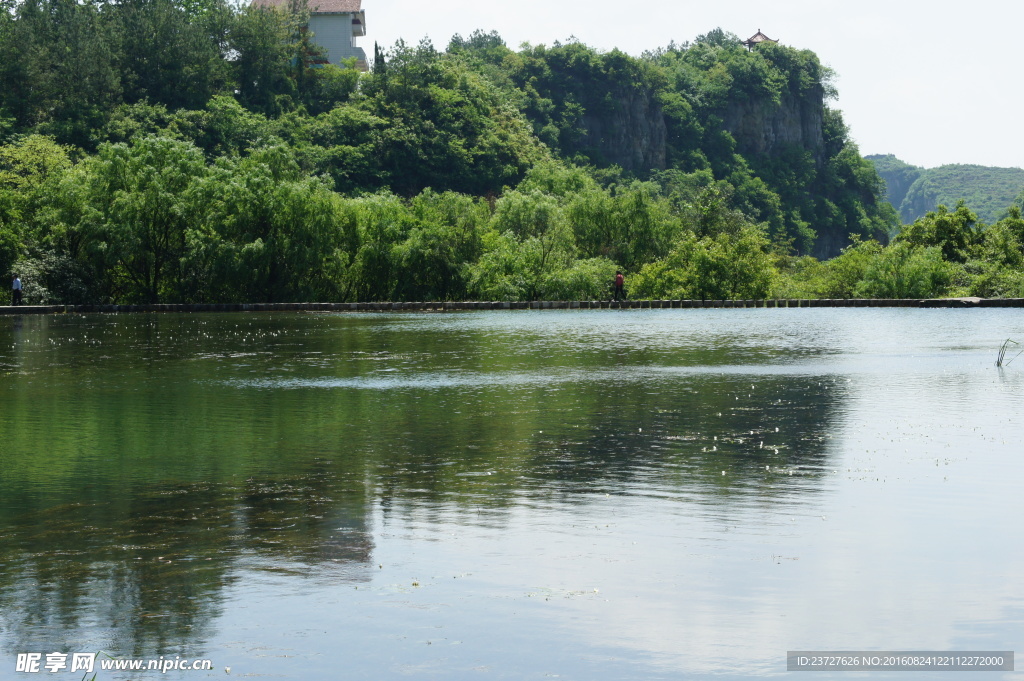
(914, 191)
(220, 149)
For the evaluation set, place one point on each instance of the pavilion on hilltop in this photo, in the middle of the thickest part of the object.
(757, 39)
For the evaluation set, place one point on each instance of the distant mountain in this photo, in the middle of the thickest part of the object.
(914, 191)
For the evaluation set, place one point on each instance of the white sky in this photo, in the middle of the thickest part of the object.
(932, 83)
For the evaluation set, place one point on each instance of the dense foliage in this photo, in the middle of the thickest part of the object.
(945, 253)
(173, 150)
(914, 191)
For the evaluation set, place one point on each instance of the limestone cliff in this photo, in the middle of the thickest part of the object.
(756, 119)
(633, 134)
(760, 127)
(630, 133)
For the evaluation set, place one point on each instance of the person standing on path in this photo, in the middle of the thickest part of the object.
(619, 282)
(16, 290)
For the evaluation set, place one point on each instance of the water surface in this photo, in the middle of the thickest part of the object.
(656, 494)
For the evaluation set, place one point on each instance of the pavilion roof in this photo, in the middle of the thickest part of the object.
(758, 38)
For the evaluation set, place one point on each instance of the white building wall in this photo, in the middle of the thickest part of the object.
(333, 32)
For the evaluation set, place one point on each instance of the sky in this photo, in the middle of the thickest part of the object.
(933, 83)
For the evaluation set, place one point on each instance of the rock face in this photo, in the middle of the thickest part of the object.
(630, 132)
(761, 127)
(829, 244)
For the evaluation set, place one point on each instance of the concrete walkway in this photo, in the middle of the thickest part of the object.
(503, 305)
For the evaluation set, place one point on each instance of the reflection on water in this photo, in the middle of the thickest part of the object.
(622, 494)
(142, 570)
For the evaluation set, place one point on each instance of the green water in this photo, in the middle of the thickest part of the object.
(587, 494)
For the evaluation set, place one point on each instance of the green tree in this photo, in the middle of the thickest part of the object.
(136, 215)
(903, 270)
(529, 251)
(955, 232)
(1004, 241)
(172, 53)
(28, 167)
(261, 40)
(724, 266)
(1000, 269)
(844, 273)
(58, 68)
(261, 230)
(445, 234)
(449, 127)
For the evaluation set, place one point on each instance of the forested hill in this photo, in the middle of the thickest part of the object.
(914, 191)
(147, 143)
(757, 120)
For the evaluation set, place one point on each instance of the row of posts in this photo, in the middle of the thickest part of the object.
(518, 305)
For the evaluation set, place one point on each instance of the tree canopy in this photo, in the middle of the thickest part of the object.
(198, 151)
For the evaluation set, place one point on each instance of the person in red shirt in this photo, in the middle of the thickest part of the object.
(619, 281)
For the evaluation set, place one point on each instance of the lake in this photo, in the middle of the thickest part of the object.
(592, 495)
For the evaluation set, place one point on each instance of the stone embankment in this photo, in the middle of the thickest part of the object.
(519, 305)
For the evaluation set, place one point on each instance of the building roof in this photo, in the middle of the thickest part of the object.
(317, 6)
(758, 38)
